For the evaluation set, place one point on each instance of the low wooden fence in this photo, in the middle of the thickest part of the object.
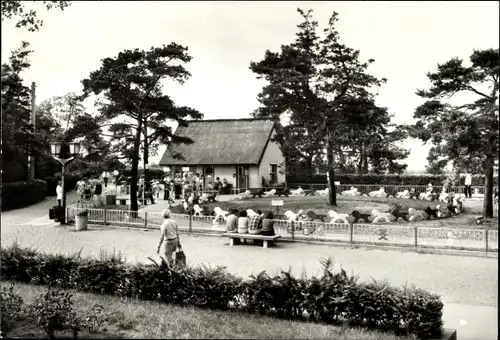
(405, 235)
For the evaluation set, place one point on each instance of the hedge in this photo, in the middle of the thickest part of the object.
(333, 298)
(21, 194)
(477, 180)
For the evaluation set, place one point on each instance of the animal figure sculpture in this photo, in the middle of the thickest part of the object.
(251, 213)
(282, 191)
(416, 215)
(431, 213)
(297, 192)
(291, 216)
(443, 196)
(335, 217)
(428, 194)
(442, 211)
(458, 204)
(379, 193)
(391, 192)
(197, 210)
(397, 213)
(312, 216)
(323, 192)
(381, 216)
(405, 194)
(220, 213)
(256, 192)
(351, 192)
(357, 215)
(414, 194)
(269, 193)
(246, 194)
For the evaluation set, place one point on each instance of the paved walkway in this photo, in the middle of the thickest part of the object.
(468, 285)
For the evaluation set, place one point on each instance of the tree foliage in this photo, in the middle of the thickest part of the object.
(325, 88)
(131, 99)
(465, 134)
(28, 17)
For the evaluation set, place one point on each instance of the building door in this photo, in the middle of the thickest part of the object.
(208, 176)
(243, 176)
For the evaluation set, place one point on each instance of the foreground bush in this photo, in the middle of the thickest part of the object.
(21, 194)
(333, 298)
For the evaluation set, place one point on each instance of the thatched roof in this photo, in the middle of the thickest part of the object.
(219, 142)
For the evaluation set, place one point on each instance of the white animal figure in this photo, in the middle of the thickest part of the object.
(291, 216)
(378, 193)
(220, 213)
(297, 192)
(351, 192)
(269, 193)
(405, 194)
(246, 194)
(381, 217)
(204, 198)
(443, 196)
(416, 215)
(458, 204)
(197, 210)
(323, 192)
(185, 205)
(251, 213)
(335, 217)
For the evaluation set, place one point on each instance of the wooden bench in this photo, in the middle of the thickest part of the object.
(236, 238)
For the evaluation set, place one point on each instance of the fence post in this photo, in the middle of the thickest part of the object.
(190, 222)
(351, 232)
(416, 236)
(105, 216)
(145, 219)
(293, 230)
(486, 234)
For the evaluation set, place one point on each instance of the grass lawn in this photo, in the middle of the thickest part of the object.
(346, 204)
(144, 319)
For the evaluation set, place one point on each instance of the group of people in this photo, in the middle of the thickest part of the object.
(88, 187)
(258, 224)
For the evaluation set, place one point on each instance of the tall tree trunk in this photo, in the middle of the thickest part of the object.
(146, 155)
(309, 161)
(361, 158)
(135, 166)
(488, 187)
(365, 162)
(332, 195)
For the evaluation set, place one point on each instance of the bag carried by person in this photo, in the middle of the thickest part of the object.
(180, 258)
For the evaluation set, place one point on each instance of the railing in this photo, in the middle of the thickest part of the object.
(366, 188)
(408, 235)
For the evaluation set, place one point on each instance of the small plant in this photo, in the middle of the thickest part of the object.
(95, 318)
(11, 306)
(82, 212)
(53, 311)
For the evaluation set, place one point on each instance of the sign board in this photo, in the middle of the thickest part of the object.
(336, 183)
(185, 168)
(276, 203)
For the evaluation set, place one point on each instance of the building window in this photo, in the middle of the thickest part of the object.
(273, 174)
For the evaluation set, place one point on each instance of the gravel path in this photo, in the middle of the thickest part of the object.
(461, 280)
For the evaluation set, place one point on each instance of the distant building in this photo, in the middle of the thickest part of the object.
(239, 150)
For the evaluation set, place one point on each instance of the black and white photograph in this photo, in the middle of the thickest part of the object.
(250, 170)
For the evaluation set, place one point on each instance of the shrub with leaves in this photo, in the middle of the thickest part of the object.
(332, 298)
(95, 318)
(10, 308)
(53, 311)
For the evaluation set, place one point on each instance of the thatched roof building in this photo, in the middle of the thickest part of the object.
(221, 141)
(239, 150)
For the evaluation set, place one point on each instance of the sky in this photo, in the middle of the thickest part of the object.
(407, 40)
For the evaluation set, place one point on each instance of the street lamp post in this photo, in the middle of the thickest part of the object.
(74, 149)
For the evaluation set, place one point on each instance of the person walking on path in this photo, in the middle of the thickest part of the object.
(168, 232)
(59, 193)
(468, 183)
